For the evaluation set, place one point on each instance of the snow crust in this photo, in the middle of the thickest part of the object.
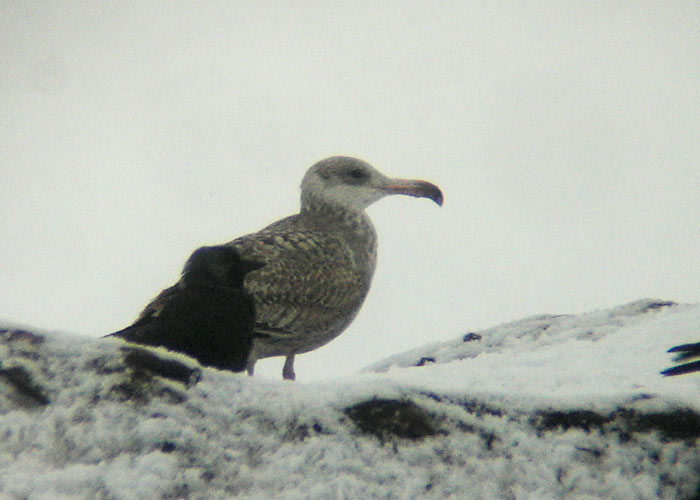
(228, 435)
(593, 358)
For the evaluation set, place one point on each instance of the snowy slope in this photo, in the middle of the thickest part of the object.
(594, 357)
(547, 407)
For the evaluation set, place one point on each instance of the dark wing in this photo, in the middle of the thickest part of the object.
(686, 353)
(207, 315)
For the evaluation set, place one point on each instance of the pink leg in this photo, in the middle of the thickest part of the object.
(288, 370)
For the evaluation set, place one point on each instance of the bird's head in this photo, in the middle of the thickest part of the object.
(350, 182)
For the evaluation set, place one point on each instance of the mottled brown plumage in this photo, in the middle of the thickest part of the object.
(316, 266)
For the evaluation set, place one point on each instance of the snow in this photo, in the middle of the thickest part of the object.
(602, 355)
(546, 407)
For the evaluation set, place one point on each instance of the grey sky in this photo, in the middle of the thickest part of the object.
(565, 136)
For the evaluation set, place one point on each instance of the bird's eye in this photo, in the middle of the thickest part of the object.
(357, 173)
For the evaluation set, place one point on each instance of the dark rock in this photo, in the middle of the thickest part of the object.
(168, 447)
(471, 337)
(386, 418)
(678, 425)
(144, 360)
(425, 360)
(564, 420)
(22, 335)
(658, 305)
(30, 393)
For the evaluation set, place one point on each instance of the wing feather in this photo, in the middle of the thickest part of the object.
(309, 282)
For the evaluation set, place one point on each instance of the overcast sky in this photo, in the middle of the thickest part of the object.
(565, 136)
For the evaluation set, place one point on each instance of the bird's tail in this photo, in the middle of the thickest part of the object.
(688, 355)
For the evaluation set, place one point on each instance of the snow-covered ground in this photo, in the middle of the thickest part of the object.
(543, 408)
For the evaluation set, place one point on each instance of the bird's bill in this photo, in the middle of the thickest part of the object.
(410, 187)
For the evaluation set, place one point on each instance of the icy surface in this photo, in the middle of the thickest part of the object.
(546, 407)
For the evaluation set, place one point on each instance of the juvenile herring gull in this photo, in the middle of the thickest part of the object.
(287, 289)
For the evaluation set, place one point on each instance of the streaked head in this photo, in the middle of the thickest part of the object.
(355, 183)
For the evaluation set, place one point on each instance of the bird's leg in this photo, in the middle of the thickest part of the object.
(250, 369)
(288, 370)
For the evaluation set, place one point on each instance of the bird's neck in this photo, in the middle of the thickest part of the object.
(355, 226)
(335, 215)
(321, 207)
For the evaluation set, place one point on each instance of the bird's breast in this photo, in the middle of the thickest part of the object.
(312, 285)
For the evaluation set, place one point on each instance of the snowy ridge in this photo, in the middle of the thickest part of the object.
(547, 407)
(536, 331)
(604, 355)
